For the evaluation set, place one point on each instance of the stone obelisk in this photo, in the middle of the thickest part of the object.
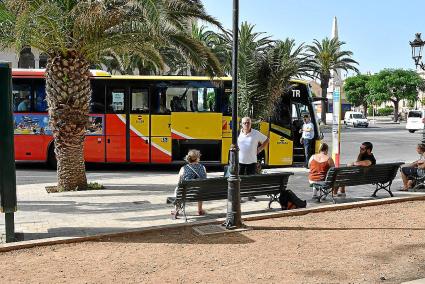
(336, 79)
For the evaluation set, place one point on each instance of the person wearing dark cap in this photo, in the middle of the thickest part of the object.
(307, 137)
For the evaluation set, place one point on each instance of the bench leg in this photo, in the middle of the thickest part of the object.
(324, 192)
(332, 194)
(273, 198)
(178, 207)
(184, 211)
(384, 186)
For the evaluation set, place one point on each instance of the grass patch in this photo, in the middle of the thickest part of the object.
(90, 186)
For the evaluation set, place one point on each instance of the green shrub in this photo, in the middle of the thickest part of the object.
(388, 110)
(385, 111)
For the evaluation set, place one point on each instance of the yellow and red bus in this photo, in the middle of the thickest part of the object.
(155, 119)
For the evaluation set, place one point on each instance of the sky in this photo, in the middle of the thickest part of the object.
(376, 31)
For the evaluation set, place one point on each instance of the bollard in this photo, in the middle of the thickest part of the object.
(7, 153)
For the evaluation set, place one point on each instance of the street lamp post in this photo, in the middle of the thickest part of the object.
(233, 217)
(417, 47)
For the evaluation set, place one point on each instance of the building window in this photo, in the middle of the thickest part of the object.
(26, 58)
(43, 60)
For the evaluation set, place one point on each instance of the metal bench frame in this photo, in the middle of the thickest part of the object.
(216, 189)
(380, 175)
(419, 182)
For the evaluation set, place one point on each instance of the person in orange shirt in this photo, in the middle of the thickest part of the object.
(319, 165)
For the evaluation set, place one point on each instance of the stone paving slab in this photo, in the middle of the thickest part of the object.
(140, 202)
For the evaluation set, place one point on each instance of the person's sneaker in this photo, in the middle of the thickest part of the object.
(341, 194)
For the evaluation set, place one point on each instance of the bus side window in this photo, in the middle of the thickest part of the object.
(177, 98)
(203, 100)
(139, 101)
(22, 96)
(97, 101)
(226, 103)
(116, 101)
(281, 114)
(40, 97)
(159, 101)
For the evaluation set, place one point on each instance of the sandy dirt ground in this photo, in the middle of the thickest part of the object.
(380, 244)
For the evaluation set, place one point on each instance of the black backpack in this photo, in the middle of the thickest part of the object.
(289, 200)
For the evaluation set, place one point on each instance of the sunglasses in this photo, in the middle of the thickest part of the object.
(362, 149)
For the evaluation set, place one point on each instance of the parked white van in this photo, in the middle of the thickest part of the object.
(415, 120)
(356, 119)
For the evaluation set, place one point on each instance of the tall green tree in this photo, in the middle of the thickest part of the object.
(76, 34)
(394, 85)
(280, 63)
(327, 56)
(251, 46)
(357, 92)
(216, 42)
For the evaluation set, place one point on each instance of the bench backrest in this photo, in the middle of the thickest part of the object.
(216, 188)
(351, 176)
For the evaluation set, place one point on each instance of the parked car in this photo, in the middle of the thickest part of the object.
(415, 120)
(356, 119)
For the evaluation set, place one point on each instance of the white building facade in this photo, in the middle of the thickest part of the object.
(27, 58)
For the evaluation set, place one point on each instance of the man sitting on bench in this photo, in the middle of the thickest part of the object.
(364, 159)
(414, 170)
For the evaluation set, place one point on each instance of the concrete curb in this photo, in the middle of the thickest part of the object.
(299, 212)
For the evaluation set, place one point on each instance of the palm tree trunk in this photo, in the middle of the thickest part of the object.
(68, 96)
(324, 82)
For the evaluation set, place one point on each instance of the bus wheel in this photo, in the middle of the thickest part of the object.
(51, 158)
(411, 131)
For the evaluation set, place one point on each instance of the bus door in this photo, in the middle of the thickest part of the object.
(32, 134)
(299, 108)
(94, 143)
(116, 124)
(139, 125)
(279, 131)
(160, 127)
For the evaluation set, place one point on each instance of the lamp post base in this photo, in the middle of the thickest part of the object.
(233, 217)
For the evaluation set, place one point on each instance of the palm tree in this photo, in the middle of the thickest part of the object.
(76, 34)
(218, 44)
(176, 62)
(326, 57)
(251, 46)
(280, 63)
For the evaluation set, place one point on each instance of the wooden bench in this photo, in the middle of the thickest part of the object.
(381, 175)
(216, 189)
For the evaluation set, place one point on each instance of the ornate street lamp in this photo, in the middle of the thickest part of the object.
(233, 218)
(417, 47)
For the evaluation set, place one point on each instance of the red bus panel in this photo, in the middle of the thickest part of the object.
(115, 137)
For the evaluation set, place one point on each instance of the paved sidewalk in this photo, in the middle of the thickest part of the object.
(136, 202)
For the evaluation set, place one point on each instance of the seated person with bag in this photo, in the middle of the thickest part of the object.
(319, 164)
(192, 170)
(414, 170)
